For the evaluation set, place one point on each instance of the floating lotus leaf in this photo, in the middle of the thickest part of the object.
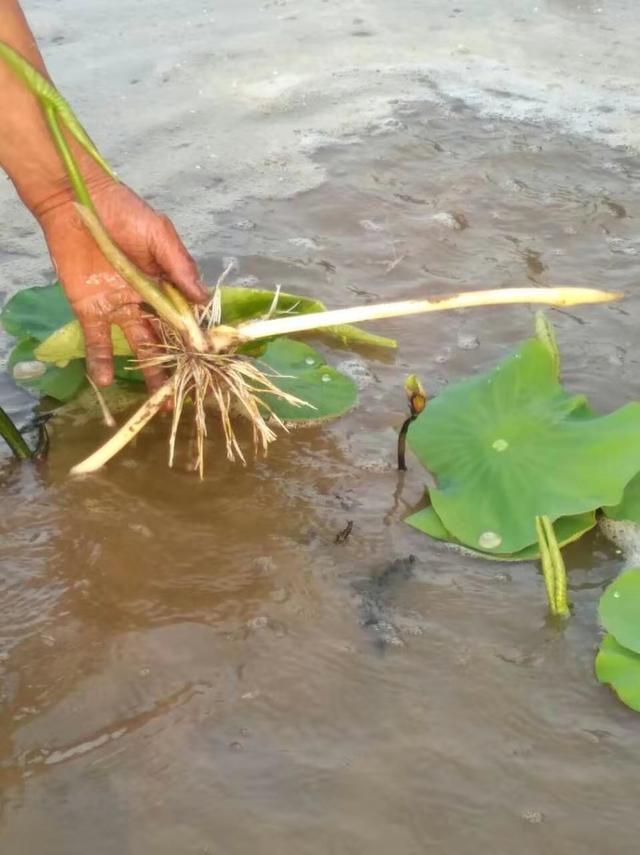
(619, 609)
(619, 667)
(301, 371)
(63, 384)
(293, 366)
(567, 530)
(43, 319)
(629, 507)
(36, 312)
(511, 444)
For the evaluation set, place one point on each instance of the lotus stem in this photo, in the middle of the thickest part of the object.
(195, 334)
(56, 110)
(417, 398)
(182, 320)
(42, 448)
(547, 571)
(179, 303)
(75, 176)
(560, 296)
(402, 443)
(546, 334)
(50, 98)
(14, 439)
(559, 570)
(553, 567)
(127, 432)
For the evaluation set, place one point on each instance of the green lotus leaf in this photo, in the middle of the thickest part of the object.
(629, 507)
(619, 609)
(567, 529)
(618, 667)
(292, 365)
(63, 384)
(511, 444)
(36, 312)
(300, 370)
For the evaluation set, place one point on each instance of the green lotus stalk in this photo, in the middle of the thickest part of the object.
(180, 303)
(50, 98)
(559, 569)
(547, 570)
(57, 110)
(553, 568)
(545, 333)
(182, 318)
(14, 439)
(75, 176)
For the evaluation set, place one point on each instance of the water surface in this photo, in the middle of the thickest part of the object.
(200, 668)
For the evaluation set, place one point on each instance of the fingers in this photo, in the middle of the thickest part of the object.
(144, 344)
(97, 338)
(139, 333)
(175, 262)
(95, 315)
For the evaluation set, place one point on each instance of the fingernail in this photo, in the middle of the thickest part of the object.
(102, 377)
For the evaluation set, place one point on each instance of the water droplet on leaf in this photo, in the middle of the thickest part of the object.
(29, 370)
(326, 378)
(500, 445)
(489, 540)
(310, 360)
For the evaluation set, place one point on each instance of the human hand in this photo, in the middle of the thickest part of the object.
(98, 295)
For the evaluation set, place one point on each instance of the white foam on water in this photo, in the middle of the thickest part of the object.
(626, 536)
(210, 106)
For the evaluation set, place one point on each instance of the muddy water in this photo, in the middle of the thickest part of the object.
(200, 668)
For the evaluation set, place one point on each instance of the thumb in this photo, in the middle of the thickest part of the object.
(175, 262)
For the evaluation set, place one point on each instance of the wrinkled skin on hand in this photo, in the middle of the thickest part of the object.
(99, 296)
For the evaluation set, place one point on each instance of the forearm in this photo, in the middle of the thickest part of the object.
(27, 152)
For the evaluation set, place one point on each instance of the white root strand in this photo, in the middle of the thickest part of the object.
(252, 330)
(127, 432)
(107, 417)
